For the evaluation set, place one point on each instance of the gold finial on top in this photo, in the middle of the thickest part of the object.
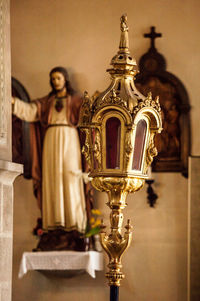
(124, 26)
(123, 61)
(124, 41)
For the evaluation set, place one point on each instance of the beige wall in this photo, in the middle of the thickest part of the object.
(83, 35)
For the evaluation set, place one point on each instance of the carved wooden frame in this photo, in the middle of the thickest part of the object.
(153, 65)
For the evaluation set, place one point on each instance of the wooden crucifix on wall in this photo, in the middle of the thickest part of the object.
(173, 143)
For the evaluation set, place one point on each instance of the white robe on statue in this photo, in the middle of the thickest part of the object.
(63, 199)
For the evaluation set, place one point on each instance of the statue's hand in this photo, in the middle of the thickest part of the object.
(13, 100)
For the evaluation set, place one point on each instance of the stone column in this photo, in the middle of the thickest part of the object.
(8, 170)
(5, 82)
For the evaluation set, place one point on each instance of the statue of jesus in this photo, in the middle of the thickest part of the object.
(56, 156)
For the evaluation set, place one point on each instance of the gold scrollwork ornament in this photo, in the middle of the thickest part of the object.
(151, 151)
(128, 148)
(97, 148)
(148, 102)
(86, 147)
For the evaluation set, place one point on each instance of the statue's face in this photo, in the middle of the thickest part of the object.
(58, 81)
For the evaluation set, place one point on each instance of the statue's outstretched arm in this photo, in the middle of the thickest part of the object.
(23, 110)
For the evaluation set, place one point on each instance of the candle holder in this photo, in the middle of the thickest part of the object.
(119, 127)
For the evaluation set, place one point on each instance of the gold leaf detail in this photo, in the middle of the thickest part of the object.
(97, 148)
(112, 98)
(128, 147)
(151, 151)
(86, 147)
(148, 102)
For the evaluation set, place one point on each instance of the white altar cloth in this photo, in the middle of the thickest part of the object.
(62, 260)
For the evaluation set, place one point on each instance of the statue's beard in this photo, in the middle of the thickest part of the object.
(59, 90)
